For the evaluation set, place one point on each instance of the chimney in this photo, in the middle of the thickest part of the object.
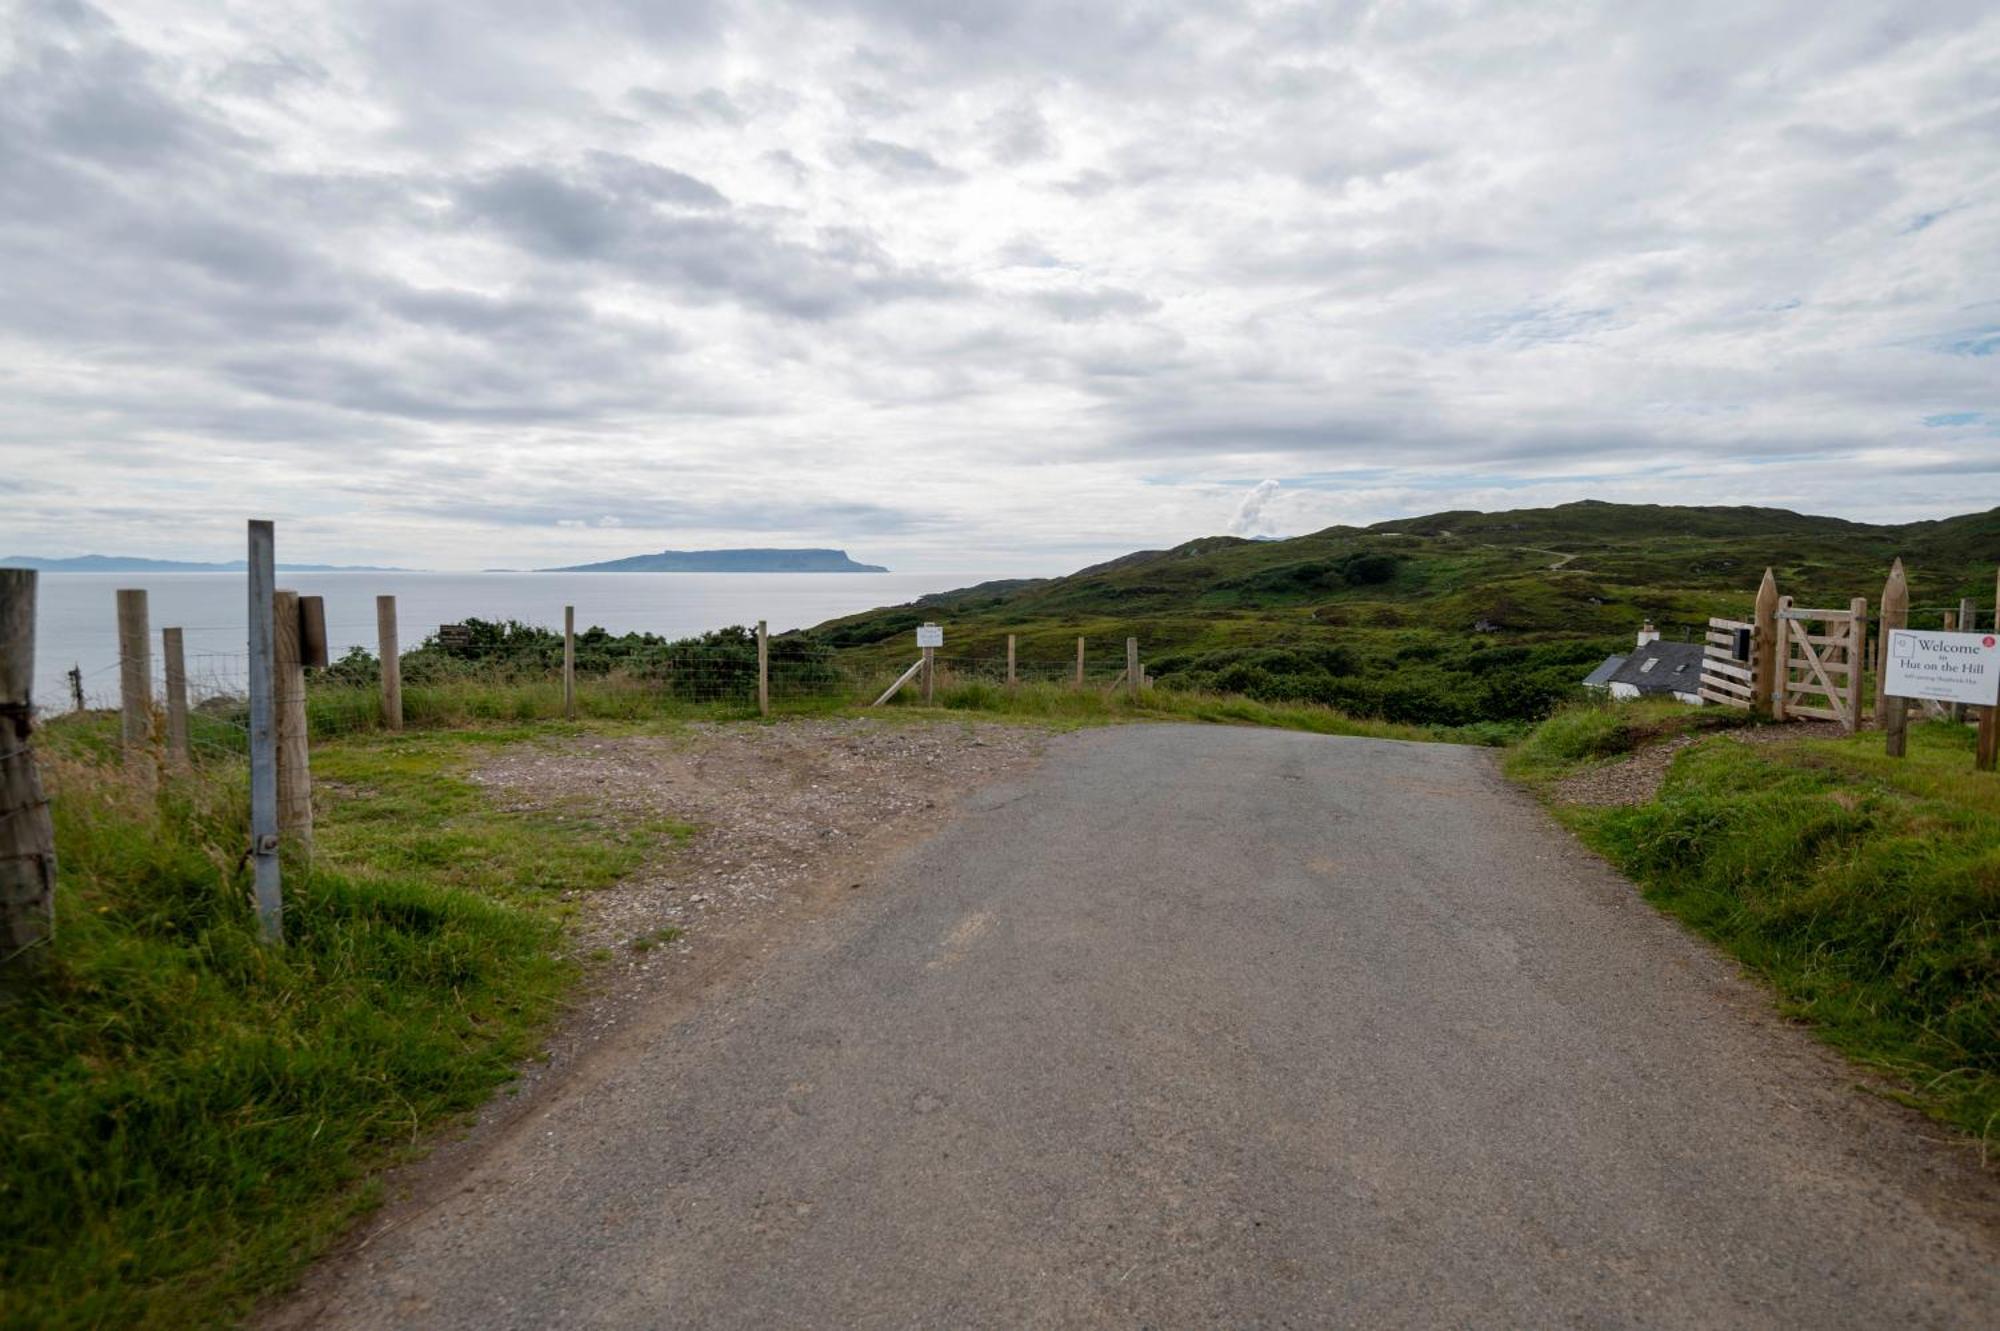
(1647, 633)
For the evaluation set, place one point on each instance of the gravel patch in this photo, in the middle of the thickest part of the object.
(776, 810)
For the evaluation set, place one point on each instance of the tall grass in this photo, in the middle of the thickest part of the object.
(189, 1114)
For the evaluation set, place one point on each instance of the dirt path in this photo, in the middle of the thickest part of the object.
(1221, 1027)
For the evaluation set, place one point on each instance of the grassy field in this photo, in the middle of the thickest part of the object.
(191, 1116)
(1864, 890)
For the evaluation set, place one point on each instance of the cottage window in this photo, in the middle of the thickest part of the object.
(1647, 668)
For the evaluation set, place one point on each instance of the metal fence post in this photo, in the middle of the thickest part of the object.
(263, 733)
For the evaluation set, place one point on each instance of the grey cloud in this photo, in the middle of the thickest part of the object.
(1095, 303)
(1020, 134)
(901, 162)
(709, 106)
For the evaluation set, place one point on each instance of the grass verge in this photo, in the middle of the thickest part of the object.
(1866, 891)
(190, 1117)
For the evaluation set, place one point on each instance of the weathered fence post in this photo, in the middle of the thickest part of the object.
(1079, 665)
(1857, 659)
(1893, 714)
(1988, 754)
(27, 836)
(76, 687)
(1010, 663)
(135, 676)
(1132, 675)
(288, 673)
(172, 649)
(569, 663)
(930, 675)
(391, 654)
(763, 668)
(1764, 691)
(263, 733)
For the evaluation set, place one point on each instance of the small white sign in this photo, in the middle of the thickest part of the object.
(1944, 667)
(930, 635)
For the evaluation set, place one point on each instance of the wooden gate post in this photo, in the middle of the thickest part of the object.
(1895, 615)
(930, 675)
(1132, 675)
(569, 663)
(1079, 665)
(1766, 650)
(135, 675)
(390, 652)
(288, 696)
(763, 668)
(1893, 714)
(27, 835)
(1857, 658)
(172, 649)
(1010, 663)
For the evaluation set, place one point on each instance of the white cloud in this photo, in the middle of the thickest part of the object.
(440, 285)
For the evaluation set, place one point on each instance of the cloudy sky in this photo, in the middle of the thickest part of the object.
(980, 287)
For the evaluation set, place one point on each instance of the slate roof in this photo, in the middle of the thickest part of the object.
(1601, 677)
(1662, 667)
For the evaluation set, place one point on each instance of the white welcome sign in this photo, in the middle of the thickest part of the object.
(930, 635)
(1944, 667)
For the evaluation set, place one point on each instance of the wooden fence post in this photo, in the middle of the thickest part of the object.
(173, 650)
(1765, 653)
(930, 675)
(27, 835)
(1132, 669)
(76, 687)
(288, 696)
(1857, 658)
(763, 668)
(1079, 665)
(569, 663)
(390, 652)
(1010, 663)
(135, 676)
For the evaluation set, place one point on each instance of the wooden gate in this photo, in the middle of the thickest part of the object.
(1819, 673)
(1726, 676)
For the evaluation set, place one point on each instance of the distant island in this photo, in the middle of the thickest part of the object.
(134, 564)
(727, 561)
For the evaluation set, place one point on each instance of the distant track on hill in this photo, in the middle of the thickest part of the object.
(1214, 1026)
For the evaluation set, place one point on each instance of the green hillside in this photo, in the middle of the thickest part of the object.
(1452, 619)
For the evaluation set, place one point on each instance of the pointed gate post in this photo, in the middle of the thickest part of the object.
(1764, 649)
(1893, 714)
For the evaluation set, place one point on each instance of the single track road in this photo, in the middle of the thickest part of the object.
(1208, 1026)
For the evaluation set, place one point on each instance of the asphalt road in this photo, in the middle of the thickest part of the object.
(1212, 1026)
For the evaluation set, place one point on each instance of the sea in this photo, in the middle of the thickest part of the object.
(76, 617)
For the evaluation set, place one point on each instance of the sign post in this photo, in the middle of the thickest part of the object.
(930, 637)
(1957, 668)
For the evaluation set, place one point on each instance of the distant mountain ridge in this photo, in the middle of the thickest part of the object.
(727, 561)
(135, 564)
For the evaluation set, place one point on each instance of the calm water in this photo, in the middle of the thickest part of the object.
(76, 622)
